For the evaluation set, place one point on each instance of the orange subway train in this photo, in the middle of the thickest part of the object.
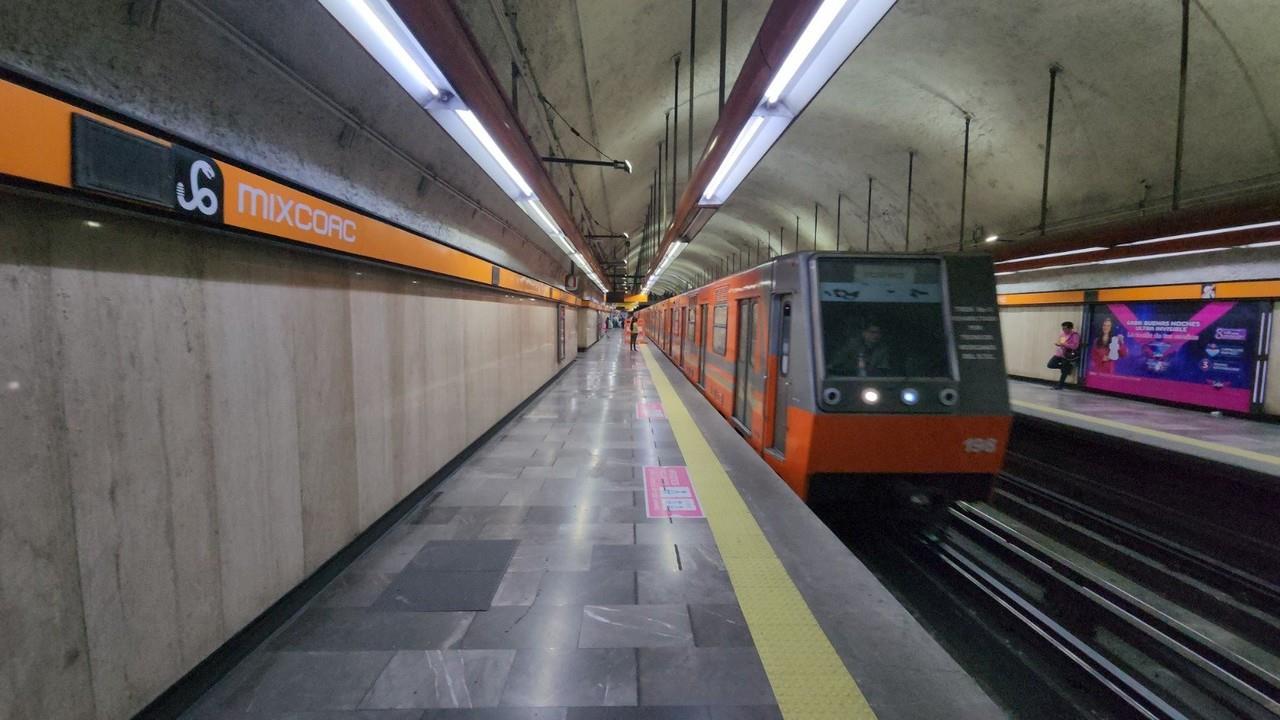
(854, 376)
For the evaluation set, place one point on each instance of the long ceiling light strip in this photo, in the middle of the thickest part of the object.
(486, 140)
(1046, 256)
(836, 29)
(379, 30)
(1203, 233)
(1136, 243)
(1135, 258)
(832, 34)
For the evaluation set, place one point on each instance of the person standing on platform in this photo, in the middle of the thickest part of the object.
(635, 330)
(1066, 352)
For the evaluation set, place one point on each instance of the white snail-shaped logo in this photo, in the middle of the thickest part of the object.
(201, 197)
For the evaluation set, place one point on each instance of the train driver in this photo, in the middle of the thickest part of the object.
(864, 354)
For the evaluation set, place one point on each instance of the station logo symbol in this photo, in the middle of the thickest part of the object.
(198, 184)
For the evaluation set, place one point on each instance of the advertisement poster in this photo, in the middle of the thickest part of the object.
(1199, 353)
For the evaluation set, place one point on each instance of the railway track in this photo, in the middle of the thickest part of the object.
(1153, 660)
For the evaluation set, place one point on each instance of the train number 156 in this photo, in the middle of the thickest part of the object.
(980, 445)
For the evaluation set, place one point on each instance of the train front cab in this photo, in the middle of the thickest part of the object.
(923, 415)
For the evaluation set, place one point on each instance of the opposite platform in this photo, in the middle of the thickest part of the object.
(1233, 441)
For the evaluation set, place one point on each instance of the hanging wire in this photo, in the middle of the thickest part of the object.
(551, 106)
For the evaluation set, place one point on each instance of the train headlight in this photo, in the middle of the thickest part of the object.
(910, 396)
(871, 396)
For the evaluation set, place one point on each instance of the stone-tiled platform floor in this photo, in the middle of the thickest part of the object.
(597, 611)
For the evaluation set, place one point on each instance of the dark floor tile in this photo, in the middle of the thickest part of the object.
(594, 587)
(633, 557)
(694, 557)
(353, 589)
(703, 676)
(572, 677)
(429, 591)
(488, 515)
(639, 713)
(746, 712)
(321, 628)
(441, 679)
(499, 713)
(560, 514)
(465, 555)
(566, 556)
(635, 626)
(719, 626)
(536, 626)
(518, 588)
(626, 514)
(606, 498)
(481, 496)
(294, 681)
(671, 533)
(432, 515)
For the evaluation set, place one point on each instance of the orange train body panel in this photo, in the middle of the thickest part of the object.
(940, 449)
(888, 444)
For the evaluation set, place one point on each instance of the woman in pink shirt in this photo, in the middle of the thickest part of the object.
(1066, 352)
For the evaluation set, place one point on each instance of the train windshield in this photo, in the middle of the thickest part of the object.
(883, 318)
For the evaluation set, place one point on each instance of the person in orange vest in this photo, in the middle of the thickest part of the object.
(635, 330)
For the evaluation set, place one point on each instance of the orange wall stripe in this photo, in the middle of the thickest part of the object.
(1189, 291)
(35, 145)
(1065, 297)
(1249, 289)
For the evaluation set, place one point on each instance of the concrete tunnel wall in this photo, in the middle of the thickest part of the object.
(195, 421)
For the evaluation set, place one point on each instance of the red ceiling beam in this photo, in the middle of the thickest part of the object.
(438, 27)
(1252, 210)
(782, 26)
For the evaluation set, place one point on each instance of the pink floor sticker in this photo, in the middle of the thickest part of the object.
(650, 410)
(669, 493)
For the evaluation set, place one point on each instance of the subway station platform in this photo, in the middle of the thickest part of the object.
(1248, 444)
(534, 583)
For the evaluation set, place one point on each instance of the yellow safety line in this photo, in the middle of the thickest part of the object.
(808, 678)
(1139, 430)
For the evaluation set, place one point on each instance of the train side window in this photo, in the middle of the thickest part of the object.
(784, 335)
(720, 329)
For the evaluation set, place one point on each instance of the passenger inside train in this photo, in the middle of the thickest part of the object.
(883, 318)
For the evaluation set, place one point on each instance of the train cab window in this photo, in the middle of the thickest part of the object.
(720, 328)
(883, 318)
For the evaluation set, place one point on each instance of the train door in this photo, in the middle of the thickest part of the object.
(702, 346)
(680, 336)
(690, 332)
(782, 387)
(744, 365)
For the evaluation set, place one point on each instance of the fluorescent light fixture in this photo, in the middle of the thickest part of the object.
(1269, 243)
(1046, 256)
(380, 31)
(1203, 233)
(486, 140)
(731, 158)
(813, 32)
(991, 238)
(1113, 261)
(833, 33)
(92, 224)
(376, 26)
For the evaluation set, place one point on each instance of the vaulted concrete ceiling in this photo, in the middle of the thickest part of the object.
(606, 66)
